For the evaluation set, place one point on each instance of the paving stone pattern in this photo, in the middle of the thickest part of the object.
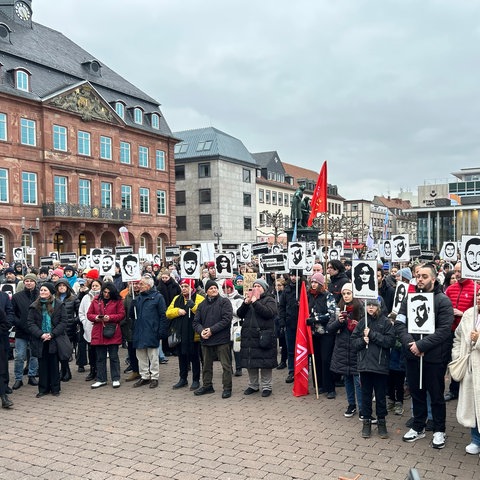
(143, 434)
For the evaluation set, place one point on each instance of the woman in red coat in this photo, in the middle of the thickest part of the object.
(107, 309)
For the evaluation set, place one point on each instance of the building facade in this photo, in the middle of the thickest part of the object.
(83, 152)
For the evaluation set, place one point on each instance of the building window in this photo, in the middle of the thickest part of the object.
(179, 172)
(138, 115)
(106, 195)
(125, 155)
(155, 121)
(261, 195)
(247, 223)
(267, 196)
(59, 138)
(180, 197)
(21, 79)
(144, 200)
(160, 160)
(247, 175)
(126, 197)
(285, 200)
(3, 126)
(3, 185)
(83, 143)
(203, 146)
(261, 219)
(143, 156)
(247, 199)
(181, 223)
(27, 132)
(60, 189)
(159, 246)
(274, 198)
(105, 148)
(205, 222)
(161, 202)
(203, 170)
(205, 195)
(181, 148)
(280, 199)
(120, 109)
(29, 188)
(84, 192)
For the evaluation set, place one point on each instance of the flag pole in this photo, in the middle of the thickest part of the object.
(315, 382)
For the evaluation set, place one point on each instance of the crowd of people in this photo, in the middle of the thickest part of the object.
(364, 345)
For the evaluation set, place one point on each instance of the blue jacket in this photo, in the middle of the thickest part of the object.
(151, 322)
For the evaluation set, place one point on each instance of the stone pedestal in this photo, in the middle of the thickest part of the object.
(304, 234)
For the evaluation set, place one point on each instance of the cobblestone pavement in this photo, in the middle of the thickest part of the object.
(161, 433)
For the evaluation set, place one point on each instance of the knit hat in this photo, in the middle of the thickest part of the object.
(43, 270)
(228, 283)
(405, 273)
(93, 274)
(68, 267)
(373, 301)
(210, 283)
(318, 277)
(58, 272)
(188, 281)
(9, 270)
(386, 266)
(50, 287)
(347, 286)
(211, 264)
(262, 283)
(30, 276)
(238, 277)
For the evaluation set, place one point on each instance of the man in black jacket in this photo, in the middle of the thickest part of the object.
(21, 301)
(6, 307)
(435, 351)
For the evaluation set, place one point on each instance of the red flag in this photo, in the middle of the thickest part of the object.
(318, 203)
(303, 347)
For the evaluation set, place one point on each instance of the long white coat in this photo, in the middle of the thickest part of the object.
(468, 406)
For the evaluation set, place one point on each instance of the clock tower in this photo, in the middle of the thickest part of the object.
(20, 11)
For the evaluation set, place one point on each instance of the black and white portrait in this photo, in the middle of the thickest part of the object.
(277, 248)
(107, 265)
(96, 258)
(400, 248)
(400, 294)
(364, 279)
(53, 255)
(297, 252)
(311, 248)
(223, 265)
(386, 249)
(130, 267)
(18, 255)
(421, 315)
(309, 263)
(82, 262)
(470, 257)
(449, 252)
(372, 254)
(189, 265)
(338, 245)
(333, 254)
(157, 259)
(245, 252)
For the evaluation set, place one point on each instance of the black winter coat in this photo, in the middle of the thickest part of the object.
(215, 313)
(375, 358)
(169, 290)
(288, 305)
(259, 317)
(71, 306)
(336, 284)
(21, 302)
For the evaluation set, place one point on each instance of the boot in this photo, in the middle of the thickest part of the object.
(133, 376)
(6, 402)
(382, 428)
(367, 428)
(65, 374)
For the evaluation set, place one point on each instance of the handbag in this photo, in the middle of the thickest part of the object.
(64, 347)
(174, 339)
(109, 330)
(236, 335)
(458, 367)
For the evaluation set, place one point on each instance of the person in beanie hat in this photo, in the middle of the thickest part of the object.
(47, 319)
(258, 346)
(372, 339)
(93, 274)
(321, 305)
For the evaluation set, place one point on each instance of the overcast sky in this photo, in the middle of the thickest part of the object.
(385, 90)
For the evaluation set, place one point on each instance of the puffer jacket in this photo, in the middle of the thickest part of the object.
(215, 313)
(461, 295)
(72, 304)
(375, 358)
(116, 312)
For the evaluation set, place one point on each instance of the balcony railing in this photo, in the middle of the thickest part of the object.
(86, 212)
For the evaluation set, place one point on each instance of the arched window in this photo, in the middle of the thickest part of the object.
(22, 80)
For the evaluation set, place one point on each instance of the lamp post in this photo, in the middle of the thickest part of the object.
(31, 229)
(217, 232)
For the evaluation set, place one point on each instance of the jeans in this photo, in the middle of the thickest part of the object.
(21, 347)
(101, 351)
(161, 355)
(353, 389)
(475, 435)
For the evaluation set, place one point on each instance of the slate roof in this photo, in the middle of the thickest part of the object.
(263, 159)
(55, 63)
(223, 145)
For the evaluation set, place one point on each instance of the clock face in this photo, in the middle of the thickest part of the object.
(23, 11)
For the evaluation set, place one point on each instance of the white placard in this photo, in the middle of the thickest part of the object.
(297, 252)
(107, 265)
(245, 252)
(400, 294)
(130, 267)
(470, 256)
(190, 264)
(449, 252)
(223, 265)
(364, 279)
(421, 314)
(400, 248)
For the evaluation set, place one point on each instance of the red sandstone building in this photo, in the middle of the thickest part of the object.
(82, 151)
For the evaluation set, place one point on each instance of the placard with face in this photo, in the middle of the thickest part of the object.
(470, 257)
(190, 264)
(245, 252)
(449, 252)
(297, 252)
(130, 267)
(421, 314)
(400, 248)
(364, 279)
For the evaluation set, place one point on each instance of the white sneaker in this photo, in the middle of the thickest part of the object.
(116, 383)
(412, 435)
(472, 449)
(438, 440)
(99, 384)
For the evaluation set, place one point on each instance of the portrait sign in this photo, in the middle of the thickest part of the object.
(130, 267)
(338, 245)
(400, 294)
(297, 252)
(421, 314)
(18, 254)
(386, 249)
(309, 262)
(233, 258)
(364, 279)
(107, 265)
(333, 254)
(190, 264)
(96, 258)
(223, 265)
(400, 248)
(245, 252)
(82, 262)
(373, 253)
(470, 257)
(449, 252)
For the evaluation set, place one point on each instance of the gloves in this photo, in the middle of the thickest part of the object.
(324, 318)
(190, 304)
(310, 321)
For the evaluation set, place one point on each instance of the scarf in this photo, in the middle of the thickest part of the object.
(46, 319)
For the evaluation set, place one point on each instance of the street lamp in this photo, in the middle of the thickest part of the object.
(217, 232)
(30, 230)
